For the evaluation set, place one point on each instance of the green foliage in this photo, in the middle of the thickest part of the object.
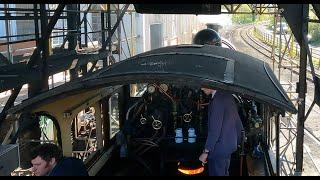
(243, 18)
(264, 17)
(248, 18)
(314, 31)
(314, 28)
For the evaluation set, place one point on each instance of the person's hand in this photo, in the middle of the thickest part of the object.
(203, 158)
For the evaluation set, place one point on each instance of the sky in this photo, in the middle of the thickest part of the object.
(222, 19)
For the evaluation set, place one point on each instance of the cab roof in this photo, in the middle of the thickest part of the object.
(194, 65)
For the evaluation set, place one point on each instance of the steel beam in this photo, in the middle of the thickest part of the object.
(78, 28)
(316, 8)
(83, 68)
(36, 24)
(104, 45)
(297, 18)
(293, 18)
(83, 19)
(33, 63)
(36, 87)
(9, 104)
(277, 124)
(18, 74)
(302, 89)
(85, 24)
(15, 75)
(21, 18)
(46, 34)
(103, 28)
(109, 44)
(106, 119)
(72, 24)
(119, 45)
(258, 9)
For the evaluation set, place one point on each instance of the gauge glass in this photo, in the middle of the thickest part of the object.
(151, 89)
(164, 87)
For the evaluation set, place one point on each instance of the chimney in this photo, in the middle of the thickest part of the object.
(214, 26)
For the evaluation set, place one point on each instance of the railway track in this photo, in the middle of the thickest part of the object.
(246, 35)
(266, 51)
(312, 141)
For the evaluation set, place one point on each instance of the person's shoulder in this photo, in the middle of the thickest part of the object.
(70, 166)
(223, 94)
(224, 97)
(71, 159)
(74, 161)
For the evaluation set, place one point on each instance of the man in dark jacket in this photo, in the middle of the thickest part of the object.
(224, 132)
(224, 123)
(47, 160)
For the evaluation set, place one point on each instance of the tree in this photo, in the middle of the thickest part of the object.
(314, 31)
(243, 18)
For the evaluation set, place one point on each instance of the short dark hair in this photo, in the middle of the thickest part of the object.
(207, 36)
(47, 151)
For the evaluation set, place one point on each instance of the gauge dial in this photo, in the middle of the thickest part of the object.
(151, 89)
(164, 87)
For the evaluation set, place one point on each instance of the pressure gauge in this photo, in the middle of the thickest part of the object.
(151, 89)
(256, 125)
(164, 87)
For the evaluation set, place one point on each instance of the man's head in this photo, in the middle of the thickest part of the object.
(208, 91)
(207, 36)
(44, 158)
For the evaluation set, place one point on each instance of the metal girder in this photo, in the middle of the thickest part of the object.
(9, 103)
(316, 8)
(83, 19)
(44, 47)
(18, 74)
(103, 27)
(72, 24)
(34, 69)
(108, 43)
(255, 8)
(298, 26)
(42, 50)
(317, 91)
(54, 20)
(293, 18)
(36, 24)
(68, 61)
(303, 40)
(277, 124)
(14, 75)
(296, 16)
(104, 45)
(178, 8)
(46, 34)
(12, 18)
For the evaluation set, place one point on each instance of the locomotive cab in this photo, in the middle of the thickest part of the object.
(162, 112)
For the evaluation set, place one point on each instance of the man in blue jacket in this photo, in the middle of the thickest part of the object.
(224, 123)
(224, 132)
(47, 160)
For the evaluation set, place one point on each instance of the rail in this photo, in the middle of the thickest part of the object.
(293, 49)
(262, 42)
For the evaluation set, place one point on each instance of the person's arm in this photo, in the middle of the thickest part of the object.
(215, 124)
(239, 128)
